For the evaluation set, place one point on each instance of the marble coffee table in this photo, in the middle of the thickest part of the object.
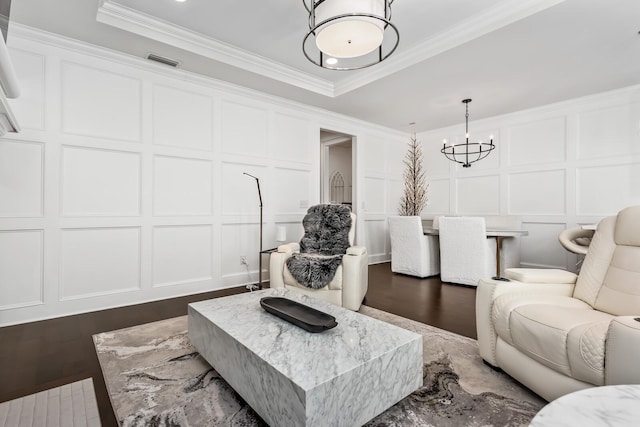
(344, 376)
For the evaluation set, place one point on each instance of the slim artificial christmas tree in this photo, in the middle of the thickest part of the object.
(414, 198)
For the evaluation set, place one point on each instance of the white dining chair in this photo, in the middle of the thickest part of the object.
(466, 255)
(412, 252)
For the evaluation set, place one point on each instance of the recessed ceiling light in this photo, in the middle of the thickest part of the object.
(181, 1)
(331, 61)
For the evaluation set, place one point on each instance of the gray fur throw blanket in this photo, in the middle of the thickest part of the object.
(325, 241)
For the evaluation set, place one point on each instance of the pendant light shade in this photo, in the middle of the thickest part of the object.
(352, 35)
(349, 34)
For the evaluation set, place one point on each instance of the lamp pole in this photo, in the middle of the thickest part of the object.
(259, 284)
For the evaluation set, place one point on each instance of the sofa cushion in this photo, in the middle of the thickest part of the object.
(563, 333)
(334, 284)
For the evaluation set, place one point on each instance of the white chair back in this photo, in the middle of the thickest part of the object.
(412, 252)
(466, 255)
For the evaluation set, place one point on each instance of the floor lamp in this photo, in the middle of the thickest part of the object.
(253, 287)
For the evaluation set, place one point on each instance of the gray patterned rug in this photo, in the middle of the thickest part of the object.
(155, 377)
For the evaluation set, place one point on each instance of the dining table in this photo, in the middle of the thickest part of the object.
(492, 233)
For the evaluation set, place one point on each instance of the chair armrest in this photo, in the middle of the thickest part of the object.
(355, 277)
(540, 275)
(356, 250)
(621, 351)
(488, 290)
(277, 261)
(289, 247)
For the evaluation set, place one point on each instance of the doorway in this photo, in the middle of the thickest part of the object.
(336, 167)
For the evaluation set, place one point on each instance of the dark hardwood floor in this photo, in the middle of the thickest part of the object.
(40, 355)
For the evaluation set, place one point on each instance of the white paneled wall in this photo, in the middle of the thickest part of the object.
(126, 184)
(558, 166)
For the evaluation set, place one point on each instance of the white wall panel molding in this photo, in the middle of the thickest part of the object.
(100, 103)
(245, 129)
(99, 182)
(99, 261)
(182, 186)
(21, 268)
(478, 195)
(377, 239)
(182, 118)
(541, 141)
(539, 193)
(29, 106)
(182, 254)
(609, 131)
(605, 190)
(239, 192)
(438, 197)
(22, 166)
(292, 191)
(293, 138)
(541, 249)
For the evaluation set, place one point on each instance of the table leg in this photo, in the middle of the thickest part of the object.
(498, 247)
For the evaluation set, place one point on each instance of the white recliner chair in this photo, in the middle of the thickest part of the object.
(412, 252)
(556, 332)
(349, 284)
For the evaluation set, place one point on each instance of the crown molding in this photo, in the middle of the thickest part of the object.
(136, 22)
(490, 20)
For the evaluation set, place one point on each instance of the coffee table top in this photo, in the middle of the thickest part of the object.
(613, 405)
(306, 358)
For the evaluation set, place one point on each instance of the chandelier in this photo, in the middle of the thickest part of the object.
(468, 152)
(349, 34)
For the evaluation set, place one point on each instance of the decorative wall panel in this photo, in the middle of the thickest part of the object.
(99, 261)
(182, 119)
(396, 153)
(538, 142)
(239, 191)
(374, 194)
(609, 132)
(290, 190)
(29, 106)
(100, 103)
(396, 191)
(537, 193)
(294, 139)
(100, 182)
(241, 240)
(182, 254)
(541, 247)
(376, 231)
(21, 168)
(244, 129)
(182, 186)
(438, 197)
(435, 162)
(478, 195)
(375, 163)
(21, 268)
(603, 191)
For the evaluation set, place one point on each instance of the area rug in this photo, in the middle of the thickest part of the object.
(155, 377)
(70, 405)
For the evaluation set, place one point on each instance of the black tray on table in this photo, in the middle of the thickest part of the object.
(300, 315)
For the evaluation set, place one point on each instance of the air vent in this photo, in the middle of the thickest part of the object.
(163, 60)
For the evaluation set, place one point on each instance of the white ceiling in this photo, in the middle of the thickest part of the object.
(507, 55)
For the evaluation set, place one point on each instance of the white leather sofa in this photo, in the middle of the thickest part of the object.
(347, 288)
(556, 332)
